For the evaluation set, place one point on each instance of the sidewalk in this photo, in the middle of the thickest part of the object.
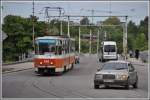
(136, 61)
(16, 67)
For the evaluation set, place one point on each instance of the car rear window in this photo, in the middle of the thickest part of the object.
(109, 48)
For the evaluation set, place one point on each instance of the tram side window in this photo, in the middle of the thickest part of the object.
(63, 48)
(36, 49)
(52, 49)
(66, 47)
(71, 47)
(59, 50)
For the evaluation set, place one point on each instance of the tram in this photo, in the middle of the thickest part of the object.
(54, 54)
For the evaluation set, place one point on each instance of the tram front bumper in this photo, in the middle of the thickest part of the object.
(48, 69)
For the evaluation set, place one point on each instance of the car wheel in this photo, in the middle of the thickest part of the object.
(75, 61)
(65, 69)
(96, 86)
(106, 86)
(72, 66)
(127, 86)
(135, 85)
(100, 60)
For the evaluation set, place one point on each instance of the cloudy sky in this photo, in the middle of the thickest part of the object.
(136, 10)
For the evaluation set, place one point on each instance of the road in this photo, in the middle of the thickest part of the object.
(77, 83)
(144, 56)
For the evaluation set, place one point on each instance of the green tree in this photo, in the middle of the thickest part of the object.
(112, 21)
(84, 21)
(19, 37)
(132, 33)
(140, 42)
(143, 27)
(132, 28)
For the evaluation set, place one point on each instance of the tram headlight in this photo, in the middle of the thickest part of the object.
(51, 63)
(41, 63)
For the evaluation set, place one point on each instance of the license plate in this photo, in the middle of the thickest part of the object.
(108, 80)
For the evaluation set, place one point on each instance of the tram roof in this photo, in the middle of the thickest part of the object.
(53, 37)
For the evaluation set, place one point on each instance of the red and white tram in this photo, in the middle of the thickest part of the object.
(54, 54)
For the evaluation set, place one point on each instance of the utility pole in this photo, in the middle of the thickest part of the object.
(60, 27)
(110, 8)
(105, 36)
(92, 15)
(33, 36)
(97, 42)
(79, 40)
(125, 39)
(90, 49)
(60, 14)
(90, 41)
(68, 26)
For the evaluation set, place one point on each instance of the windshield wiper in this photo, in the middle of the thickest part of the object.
(120, 68)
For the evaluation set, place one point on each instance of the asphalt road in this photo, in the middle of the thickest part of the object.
(144, 56)
(77, 83)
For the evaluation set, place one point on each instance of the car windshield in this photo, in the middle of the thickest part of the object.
(114, 66)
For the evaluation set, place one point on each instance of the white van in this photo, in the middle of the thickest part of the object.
(108, 51)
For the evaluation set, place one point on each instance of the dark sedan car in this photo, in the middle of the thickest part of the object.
(118, 72)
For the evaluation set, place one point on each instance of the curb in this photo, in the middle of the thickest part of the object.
(138, 64)
(6, 72)
(17, 62)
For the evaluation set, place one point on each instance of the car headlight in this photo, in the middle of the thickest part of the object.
(98, 76)
(122, 77)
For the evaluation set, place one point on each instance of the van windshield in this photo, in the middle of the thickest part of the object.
(109, 48)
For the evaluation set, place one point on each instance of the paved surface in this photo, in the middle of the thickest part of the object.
(144, 56)
(77, 83)
(16, 67)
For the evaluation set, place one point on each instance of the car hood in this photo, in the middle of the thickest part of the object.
(112, 72)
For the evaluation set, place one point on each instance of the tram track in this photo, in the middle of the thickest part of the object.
(43, 90)
(67, 90)
(58, 91)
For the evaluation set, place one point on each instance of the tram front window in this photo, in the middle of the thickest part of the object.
(45, 48)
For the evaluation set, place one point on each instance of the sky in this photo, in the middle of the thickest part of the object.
(136, 10)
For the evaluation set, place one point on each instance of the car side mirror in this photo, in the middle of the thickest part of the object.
(131, 70)
(99, 69)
